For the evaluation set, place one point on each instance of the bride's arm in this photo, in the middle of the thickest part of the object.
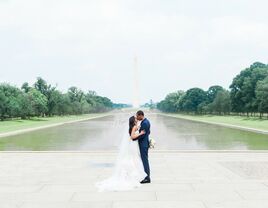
(134, 135)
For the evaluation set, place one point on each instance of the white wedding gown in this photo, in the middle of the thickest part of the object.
(128, 171)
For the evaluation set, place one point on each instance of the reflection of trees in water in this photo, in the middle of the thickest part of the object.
(196, 135)
(107, 132)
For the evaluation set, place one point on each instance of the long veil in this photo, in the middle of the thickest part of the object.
(123, 148)
(116, 180)
(128, 169)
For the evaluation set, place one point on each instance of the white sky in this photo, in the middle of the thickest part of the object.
(92, 44)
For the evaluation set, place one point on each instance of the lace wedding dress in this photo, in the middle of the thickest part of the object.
(128, 171)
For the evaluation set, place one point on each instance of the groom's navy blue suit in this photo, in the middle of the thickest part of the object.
(144, 145)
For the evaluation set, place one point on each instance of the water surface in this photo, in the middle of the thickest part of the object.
(107, 132)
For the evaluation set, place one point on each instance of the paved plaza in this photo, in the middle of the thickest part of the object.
(179, 180)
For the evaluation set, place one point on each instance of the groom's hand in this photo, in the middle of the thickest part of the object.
(140, 135)
(143, 132)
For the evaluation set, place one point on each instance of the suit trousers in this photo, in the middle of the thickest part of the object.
(145, 161)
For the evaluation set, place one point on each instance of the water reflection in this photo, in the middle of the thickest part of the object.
(176, 133)
(107, 132)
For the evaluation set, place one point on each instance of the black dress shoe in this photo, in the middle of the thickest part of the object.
(146, 181)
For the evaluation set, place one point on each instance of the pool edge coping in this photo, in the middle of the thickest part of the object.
(151, 152)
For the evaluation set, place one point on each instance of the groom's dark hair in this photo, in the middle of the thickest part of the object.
(140, 113)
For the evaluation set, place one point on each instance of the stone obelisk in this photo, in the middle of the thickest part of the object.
(136, 102)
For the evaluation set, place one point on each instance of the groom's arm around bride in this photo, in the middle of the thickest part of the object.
(145, 126)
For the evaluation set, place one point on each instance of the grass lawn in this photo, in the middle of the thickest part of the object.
(256, 123)
(13, 125)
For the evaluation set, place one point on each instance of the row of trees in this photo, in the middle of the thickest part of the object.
(248, 94)
(43, 99)
(151, 105)
(121, 105)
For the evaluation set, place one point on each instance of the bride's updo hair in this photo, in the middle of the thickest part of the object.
(132, 121)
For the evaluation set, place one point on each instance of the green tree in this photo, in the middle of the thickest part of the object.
(171, 102)
(3, 103)
(26, 106)
(43, 99)
(64, 105)
(212, 92)
(9, 101)
(25, 87)
(38, 102)
(77, 99)
(51, 94)
(97, 103)
(42, 86)
(54, 101)
(262, 96)
(243, 87)
(222, 102)
(192, 99)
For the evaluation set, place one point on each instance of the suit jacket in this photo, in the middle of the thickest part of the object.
(144, 139)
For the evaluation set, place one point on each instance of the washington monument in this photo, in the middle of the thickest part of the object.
(136, 101)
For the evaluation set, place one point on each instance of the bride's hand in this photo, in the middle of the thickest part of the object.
(143, 132)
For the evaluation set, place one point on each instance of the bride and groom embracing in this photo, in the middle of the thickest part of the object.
(132, 166)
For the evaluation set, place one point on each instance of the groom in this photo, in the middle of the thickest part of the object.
(144, 144)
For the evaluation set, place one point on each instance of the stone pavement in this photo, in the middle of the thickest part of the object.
(179, 180)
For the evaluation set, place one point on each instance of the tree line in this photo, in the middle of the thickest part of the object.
(247, 95)
(43, 99)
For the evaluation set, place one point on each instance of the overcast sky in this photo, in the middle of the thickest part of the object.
(92, 44)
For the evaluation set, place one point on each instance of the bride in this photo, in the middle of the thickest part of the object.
(129, 169)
